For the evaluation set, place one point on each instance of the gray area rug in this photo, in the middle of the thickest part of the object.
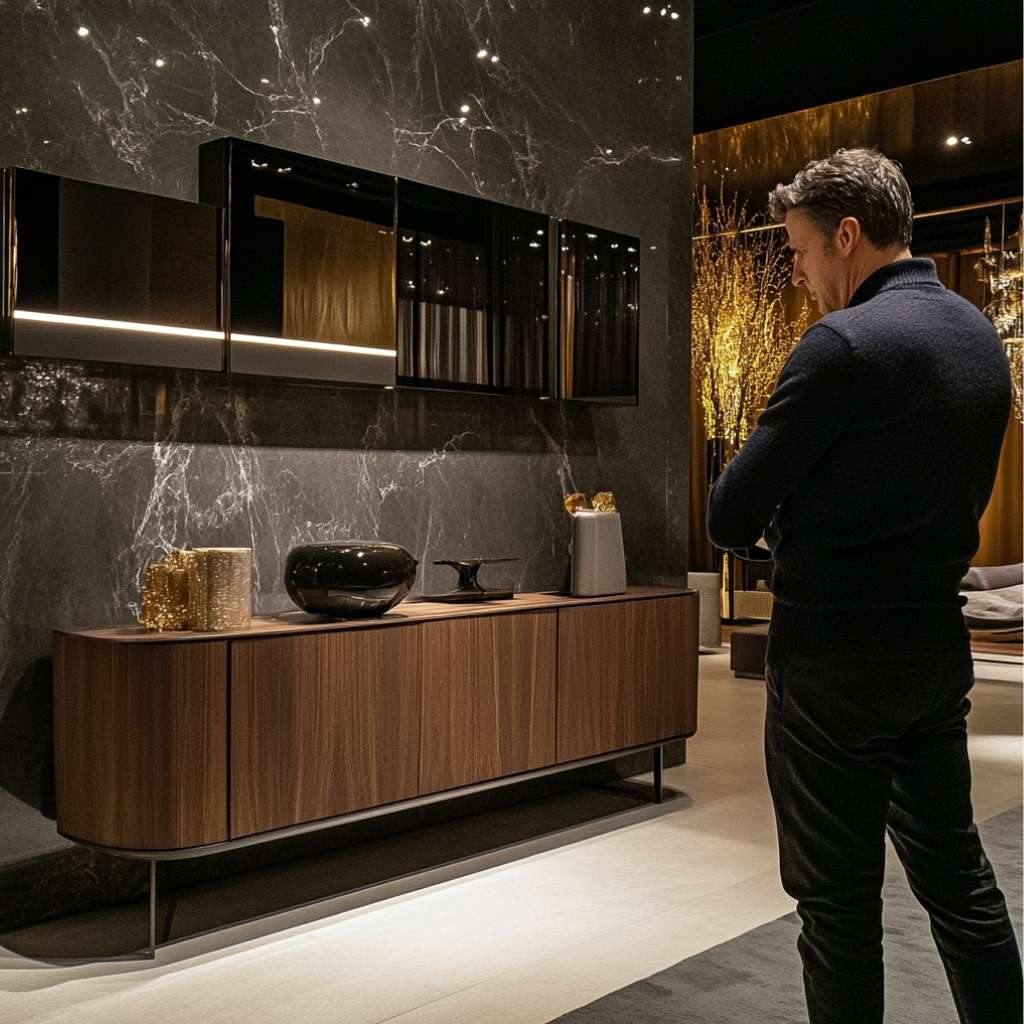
(755, 978)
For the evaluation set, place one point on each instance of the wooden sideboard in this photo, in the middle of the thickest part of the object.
(181, 743)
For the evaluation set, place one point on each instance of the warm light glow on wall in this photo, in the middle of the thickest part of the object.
(114, 325)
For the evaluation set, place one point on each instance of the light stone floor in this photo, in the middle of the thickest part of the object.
(517, 936)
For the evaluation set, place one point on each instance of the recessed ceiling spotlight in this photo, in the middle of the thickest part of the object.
(481, 53)
(159, 62)
(365, 19)
(317, 101)
(494, 58)
(646, 10)
(464, 109)
(674, 15)
(83, 31)
(952, 141)
(264, 81)
(965, 139)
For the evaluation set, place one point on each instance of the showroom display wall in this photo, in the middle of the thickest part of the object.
(585, 114)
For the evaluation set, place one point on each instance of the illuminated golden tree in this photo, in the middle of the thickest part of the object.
(1002, 270)
(741, 333)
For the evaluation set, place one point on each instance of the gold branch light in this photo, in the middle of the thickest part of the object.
(741, 333)
(1003, 272)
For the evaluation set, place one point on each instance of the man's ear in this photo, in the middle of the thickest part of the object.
(847, 235)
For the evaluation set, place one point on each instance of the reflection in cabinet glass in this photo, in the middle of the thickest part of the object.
(99, 273)
(472, 293)
(311, 263)
(598, 315)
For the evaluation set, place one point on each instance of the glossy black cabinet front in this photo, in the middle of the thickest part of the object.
(598, 314)
(100, 273)
(300, 268)
(311, 257)
(472, 293)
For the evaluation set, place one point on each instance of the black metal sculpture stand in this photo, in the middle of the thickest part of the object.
(469, 588)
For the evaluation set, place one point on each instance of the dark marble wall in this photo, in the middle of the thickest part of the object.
(586, 112)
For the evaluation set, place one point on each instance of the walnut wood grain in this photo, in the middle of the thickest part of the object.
(140, 738)
(627, 675)
(336, 717)
(322, 724)
(488, 698)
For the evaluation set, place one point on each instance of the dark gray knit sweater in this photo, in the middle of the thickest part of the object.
(873, 461)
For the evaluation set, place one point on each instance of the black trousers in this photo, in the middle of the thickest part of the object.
(856, 746)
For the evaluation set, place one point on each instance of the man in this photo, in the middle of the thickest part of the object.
(867, 473)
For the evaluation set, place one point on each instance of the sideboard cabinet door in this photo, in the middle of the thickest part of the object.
(322, 724)
(141, 742)
(488, 698)
(627, 674)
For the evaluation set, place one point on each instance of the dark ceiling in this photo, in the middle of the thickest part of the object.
(755, 60)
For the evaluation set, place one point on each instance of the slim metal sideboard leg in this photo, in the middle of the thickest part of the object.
(152, 910)
(659, 763)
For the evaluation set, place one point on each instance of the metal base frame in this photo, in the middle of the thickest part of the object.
(153, 856)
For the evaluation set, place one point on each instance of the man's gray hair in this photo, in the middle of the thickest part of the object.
(857, 183)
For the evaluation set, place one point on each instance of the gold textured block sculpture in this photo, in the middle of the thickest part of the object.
(603, 501)
(165, 602)
(201, 589)
(225, 588)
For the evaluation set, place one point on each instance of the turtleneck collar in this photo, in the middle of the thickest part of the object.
(911, 273)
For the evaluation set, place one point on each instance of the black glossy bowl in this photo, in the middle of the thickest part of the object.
(351, 579)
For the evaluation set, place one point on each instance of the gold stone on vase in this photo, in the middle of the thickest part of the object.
(223, 588)
(603, 501)
(575, 501)
(165, 604)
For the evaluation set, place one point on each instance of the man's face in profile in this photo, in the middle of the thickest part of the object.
(815, 264)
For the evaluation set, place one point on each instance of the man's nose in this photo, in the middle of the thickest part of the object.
(797, 275)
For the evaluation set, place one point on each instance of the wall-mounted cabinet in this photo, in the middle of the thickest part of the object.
(300, 268)
(472, 293)
(310, 248)
(598, 314)
(99, 273)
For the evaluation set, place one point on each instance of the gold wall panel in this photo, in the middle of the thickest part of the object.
(909, 124)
